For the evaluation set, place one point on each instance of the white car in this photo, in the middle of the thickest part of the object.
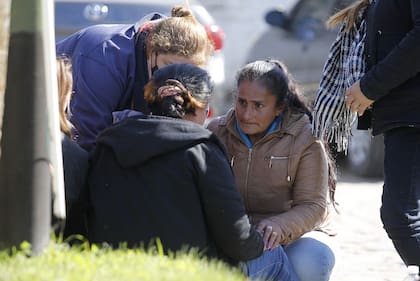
(73, 15)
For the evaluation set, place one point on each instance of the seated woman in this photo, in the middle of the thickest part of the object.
(164, 177)
(281, 169)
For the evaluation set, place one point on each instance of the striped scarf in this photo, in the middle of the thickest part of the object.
(344, 66)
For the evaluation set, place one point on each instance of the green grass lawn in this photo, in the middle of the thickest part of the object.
(60, 262)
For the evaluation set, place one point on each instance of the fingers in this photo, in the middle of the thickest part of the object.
(354, 107)
(267, 233)
(271, 237)
(348, 100)
(361, 110)
(357, 107)
(260, 228)
(273, 241)
(350, 97)
(351, 103)
(355, 100)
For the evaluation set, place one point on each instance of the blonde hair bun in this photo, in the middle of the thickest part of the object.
(180, 11)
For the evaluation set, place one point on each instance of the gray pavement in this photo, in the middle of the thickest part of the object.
(365, 252)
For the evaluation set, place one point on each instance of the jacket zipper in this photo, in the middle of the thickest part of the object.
(270, 164)
(248, 165)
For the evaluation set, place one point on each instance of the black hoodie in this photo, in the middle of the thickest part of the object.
(157, 177)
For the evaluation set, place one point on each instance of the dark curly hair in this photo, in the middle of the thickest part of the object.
(195, 84)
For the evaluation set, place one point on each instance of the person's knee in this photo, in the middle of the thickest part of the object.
(388, 220)
(312, 259)
(271, 265)
(394, 222)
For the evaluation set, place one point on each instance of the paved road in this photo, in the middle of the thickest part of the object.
(365, 252)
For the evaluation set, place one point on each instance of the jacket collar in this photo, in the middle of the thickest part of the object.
(274, 125)
(292, 123)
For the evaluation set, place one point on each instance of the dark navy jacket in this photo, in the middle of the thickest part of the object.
(157, 177)
(109, 74)
(393, 54)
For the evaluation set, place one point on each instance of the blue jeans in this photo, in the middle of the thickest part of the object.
(312, 256)
(400, 210)
(271, 265)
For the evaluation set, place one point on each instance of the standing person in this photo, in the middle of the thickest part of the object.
(165, 176)
(391, 87)
(281, 169)
(75, 159)
(112, 63)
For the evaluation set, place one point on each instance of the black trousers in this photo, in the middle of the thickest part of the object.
(400, 210)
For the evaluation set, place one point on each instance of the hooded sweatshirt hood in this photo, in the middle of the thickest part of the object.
(137, 139)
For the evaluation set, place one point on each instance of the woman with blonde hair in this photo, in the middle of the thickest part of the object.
(75, 159)
(112, 64)
(65, 89)
(349, 16)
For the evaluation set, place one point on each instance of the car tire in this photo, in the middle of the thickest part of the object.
(365, 156)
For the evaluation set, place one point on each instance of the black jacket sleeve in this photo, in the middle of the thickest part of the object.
(402, 62)
(224, 208)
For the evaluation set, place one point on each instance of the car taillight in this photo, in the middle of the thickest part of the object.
(210, 112)
(216, 35)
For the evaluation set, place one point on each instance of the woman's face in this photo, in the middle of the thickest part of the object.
(255, 109)
(161, 60)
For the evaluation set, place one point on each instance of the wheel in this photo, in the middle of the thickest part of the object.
(365, 156)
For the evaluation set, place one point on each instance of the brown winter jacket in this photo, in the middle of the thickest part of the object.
(283, 177)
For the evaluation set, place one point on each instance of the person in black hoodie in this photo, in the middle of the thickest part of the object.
(164, 177)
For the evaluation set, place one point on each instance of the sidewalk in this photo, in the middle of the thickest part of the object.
(365, 252)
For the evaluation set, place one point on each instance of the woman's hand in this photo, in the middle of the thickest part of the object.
(269, 233)
(356, 101)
